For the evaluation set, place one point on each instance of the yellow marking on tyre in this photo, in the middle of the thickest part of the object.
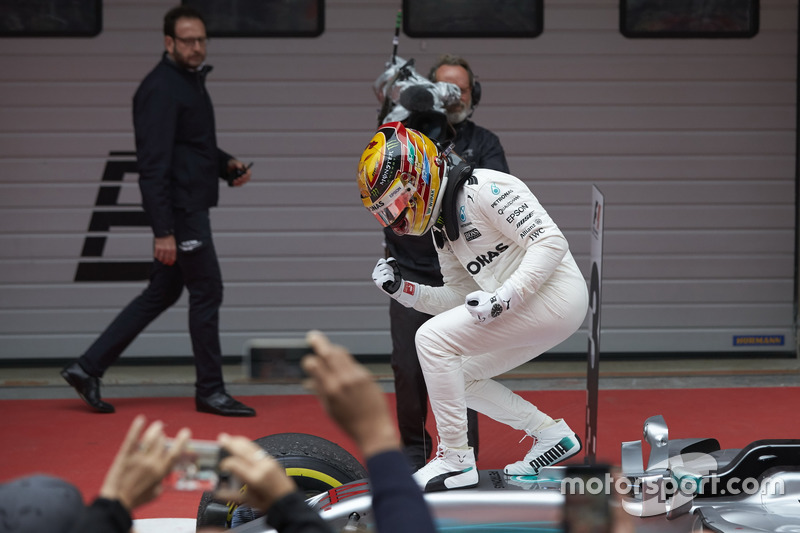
(307, 472)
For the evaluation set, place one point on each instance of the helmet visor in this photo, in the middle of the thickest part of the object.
(391, 205)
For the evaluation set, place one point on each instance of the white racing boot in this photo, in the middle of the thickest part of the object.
(551, 445)
(450, 469)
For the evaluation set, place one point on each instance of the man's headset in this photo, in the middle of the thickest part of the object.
(475, 85)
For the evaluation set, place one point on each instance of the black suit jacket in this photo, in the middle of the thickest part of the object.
(176, 145)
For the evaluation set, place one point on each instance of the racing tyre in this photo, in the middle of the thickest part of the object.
(315, 464)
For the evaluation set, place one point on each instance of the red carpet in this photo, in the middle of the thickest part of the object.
(62, 438)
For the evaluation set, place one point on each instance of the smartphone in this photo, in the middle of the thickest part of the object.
(275, 360)
(197, 468)
(588, 493)
(237, 173)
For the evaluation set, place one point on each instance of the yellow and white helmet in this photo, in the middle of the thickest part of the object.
(402, 177)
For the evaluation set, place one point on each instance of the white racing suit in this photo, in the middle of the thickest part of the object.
(505, 236)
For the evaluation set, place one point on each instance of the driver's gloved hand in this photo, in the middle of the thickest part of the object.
(487, 306)
(387, 277)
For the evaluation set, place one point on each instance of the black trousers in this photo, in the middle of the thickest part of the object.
(198, 270)
(410, 388)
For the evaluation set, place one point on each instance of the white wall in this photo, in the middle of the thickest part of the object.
(692, 142)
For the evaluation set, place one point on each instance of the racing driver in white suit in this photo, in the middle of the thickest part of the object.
(511, 292)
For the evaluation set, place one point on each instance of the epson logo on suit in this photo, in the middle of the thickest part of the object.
(517, 212)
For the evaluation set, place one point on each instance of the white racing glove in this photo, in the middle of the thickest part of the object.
(486, 306)
(387, 277)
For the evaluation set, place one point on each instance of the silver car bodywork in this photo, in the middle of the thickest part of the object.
(755, 489)
(685, 487)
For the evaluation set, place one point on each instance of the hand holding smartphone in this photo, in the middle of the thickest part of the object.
(276, 360)
(236, 173)
(197, 468)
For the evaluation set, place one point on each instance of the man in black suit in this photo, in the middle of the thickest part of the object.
(180, 167)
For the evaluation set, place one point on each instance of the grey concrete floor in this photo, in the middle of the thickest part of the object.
(162, 380)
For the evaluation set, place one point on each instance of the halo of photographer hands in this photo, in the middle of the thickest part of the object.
(487, 306)
(388, 278)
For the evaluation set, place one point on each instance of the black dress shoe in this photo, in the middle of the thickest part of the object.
(88, 387)
(220, 403)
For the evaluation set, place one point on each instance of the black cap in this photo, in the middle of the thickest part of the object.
(39, 503)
